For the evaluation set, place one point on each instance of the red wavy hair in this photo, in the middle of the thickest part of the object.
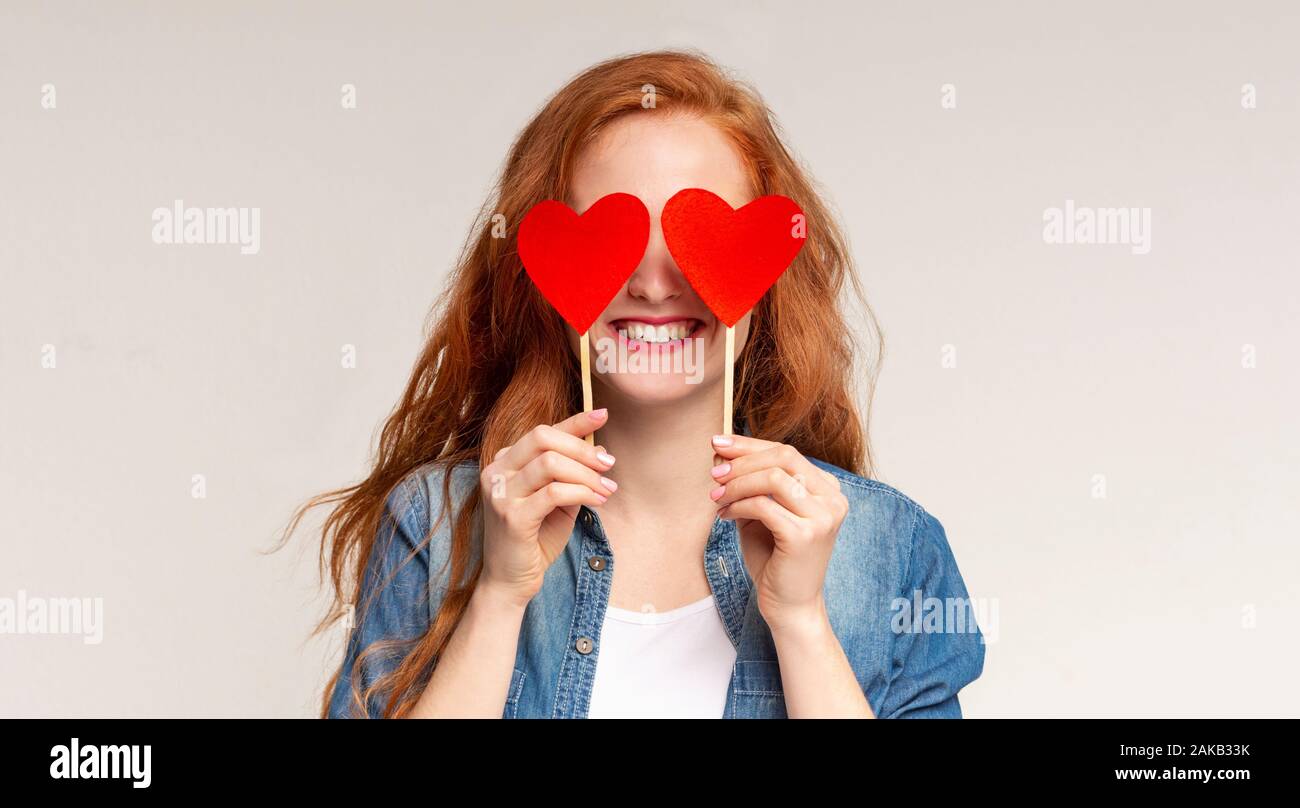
(473, 391)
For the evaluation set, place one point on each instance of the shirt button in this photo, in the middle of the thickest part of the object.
(583, 645)
(596, 563)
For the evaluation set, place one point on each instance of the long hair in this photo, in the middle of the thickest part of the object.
(473, 391)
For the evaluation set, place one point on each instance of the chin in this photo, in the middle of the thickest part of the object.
(653, 388)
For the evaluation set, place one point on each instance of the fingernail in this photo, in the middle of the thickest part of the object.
(605, 457)
(717, 492)
(599, 415)
(608, 483)
(721, 440)
(721, 471)
(602, 500)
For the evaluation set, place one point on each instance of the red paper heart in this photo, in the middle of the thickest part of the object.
(580, 262)
(731, 257)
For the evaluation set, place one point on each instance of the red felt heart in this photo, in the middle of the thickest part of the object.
(731, 257)
(580, 262)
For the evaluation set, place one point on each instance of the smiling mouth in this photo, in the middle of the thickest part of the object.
(638, 332)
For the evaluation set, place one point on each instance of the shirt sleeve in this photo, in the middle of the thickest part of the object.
(392, 607)
(939, 649)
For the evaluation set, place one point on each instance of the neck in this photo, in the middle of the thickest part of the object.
(664, 456)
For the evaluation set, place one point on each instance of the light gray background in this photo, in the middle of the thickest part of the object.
(1071, 361)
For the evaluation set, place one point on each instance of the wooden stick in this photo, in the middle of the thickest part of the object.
(728, 379)
(585, 352)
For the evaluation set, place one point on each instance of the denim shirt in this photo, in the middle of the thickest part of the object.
(889, 559)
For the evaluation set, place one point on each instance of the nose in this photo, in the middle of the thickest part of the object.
(657, 278)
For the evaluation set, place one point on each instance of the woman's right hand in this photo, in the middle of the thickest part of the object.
(531, 493)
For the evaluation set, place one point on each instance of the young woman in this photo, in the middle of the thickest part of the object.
(499, 565)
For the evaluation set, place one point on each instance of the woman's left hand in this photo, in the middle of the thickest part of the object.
(788, 512)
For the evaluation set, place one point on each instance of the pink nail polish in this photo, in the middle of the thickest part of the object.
(722, 440)
(606, 458)
(721, 471)
(597, 415)
(717, 492)
(608, 483)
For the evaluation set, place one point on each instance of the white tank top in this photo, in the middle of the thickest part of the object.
(674, 664)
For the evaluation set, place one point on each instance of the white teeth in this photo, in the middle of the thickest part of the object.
(647, 332)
